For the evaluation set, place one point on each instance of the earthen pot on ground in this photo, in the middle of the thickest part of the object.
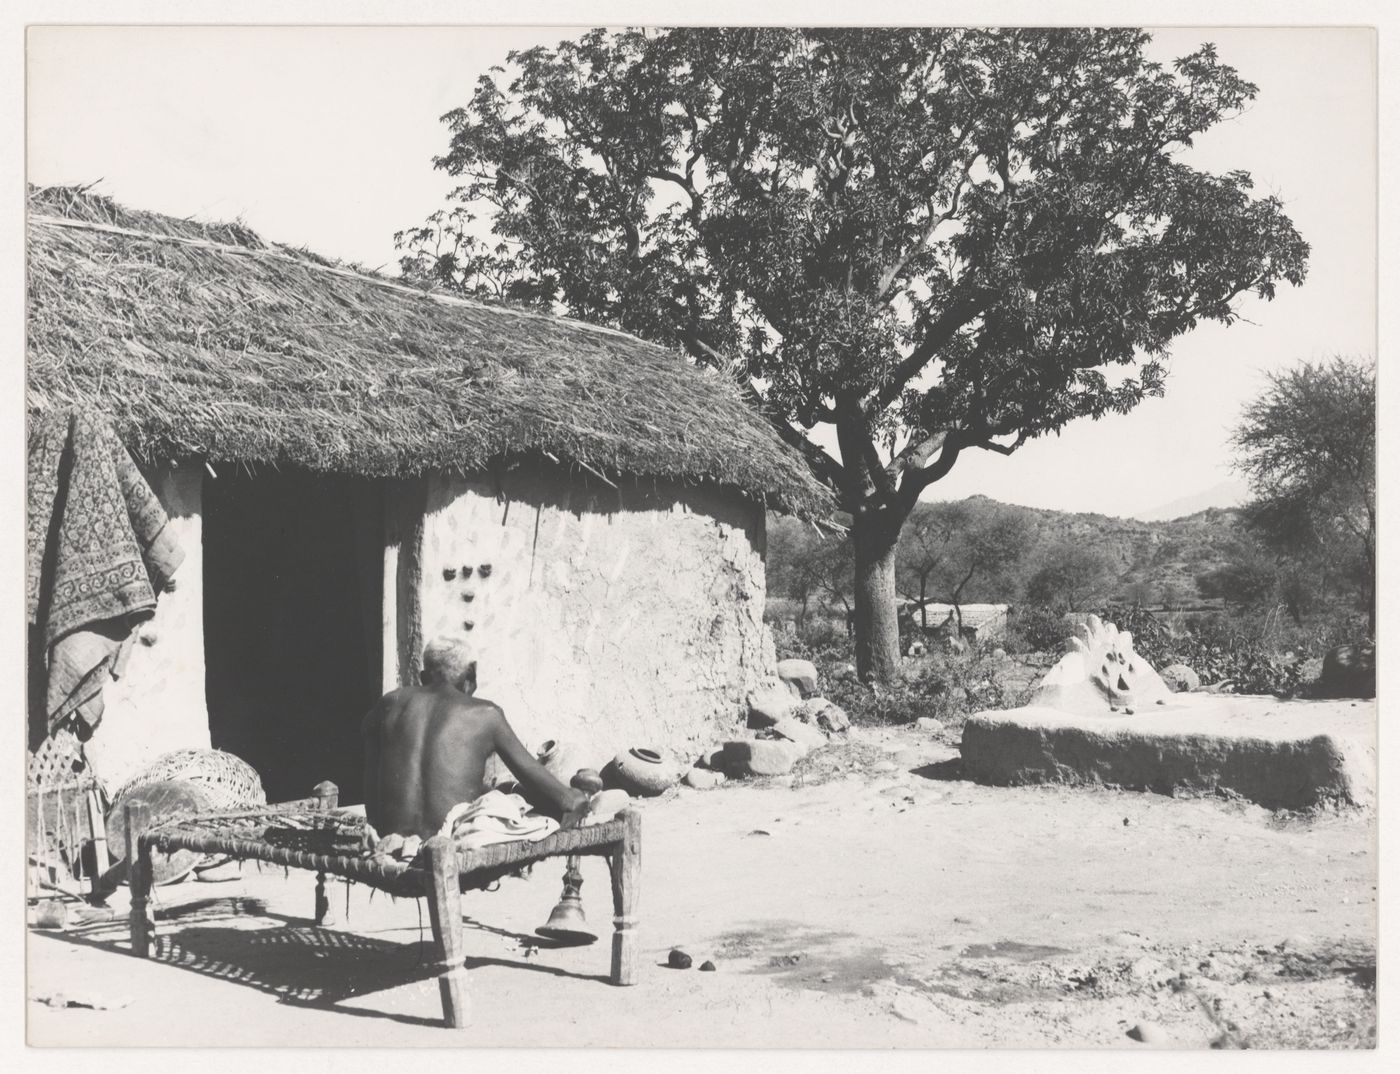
(641, 772)
(562, 759)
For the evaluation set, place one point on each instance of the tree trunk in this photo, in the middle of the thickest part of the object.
(957, 598)
(875, 538)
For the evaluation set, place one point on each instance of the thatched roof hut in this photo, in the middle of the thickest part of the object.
(203, 341)
(353, 466)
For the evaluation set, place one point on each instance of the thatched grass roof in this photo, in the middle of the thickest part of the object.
(200, 341)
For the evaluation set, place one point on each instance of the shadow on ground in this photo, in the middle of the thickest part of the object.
(298, 962)
(949, 771)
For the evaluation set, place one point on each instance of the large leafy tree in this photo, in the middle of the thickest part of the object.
(1308, 447)
(928, 240)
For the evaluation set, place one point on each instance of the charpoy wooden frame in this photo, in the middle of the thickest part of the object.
(440, 874)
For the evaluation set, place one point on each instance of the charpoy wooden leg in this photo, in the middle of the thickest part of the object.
(328, 797)
(626, 868)
(138, 878)
(445, 912)
(324, 916)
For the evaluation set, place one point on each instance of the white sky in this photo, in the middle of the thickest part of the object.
(324, 137)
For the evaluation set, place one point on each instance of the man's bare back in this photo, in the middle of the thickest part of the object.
(426, 749)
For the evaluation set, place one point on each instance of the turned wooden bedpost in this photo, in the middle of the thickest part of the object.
(328, 797)
(138, 877)
(626, 868)
(445, 913)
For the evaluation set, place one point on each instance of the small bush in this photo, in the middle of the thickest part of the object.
(947, 687)
(1035, 629)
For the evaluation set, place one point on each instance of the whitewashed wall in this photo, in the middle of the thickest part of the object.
(609, 618)
(158, 704)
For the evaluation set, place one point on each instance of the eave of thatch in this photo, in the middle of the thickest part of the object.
(200, 341)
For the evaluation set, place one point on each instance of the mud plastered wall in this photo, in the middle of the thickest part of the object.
(158, 703)
(605, 618)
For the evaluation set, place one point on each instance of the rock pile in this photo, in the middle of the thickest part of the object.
(788, 721)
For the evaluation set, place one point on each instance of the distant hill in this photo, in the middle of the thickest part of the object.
(1156, 561)
(1230, 493)
(1166, 556)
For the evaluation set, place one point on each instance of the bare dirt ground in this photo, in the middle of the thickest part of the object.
(873, 900)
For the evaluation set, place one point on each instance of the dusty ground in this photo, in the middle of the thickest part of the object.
(878, 901)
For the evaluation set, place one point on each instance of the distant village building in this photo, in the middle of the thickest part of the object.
(351, 466)
(980, 622)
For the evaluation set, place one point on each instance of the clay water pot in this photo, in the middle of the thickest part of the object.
(587, 780)
(561, 759)
(641, 772)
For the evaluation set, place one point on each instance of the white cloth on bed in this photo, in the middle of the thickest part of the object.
(495, 817)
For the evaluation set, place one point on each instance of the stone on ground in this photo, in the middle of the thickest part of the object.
(1149, 1033)
(703, 779)
(804, 734)
(800, 676)
(822, 713)
(1278, 754)
(1348, 671)
(760, 757)
(767, 707)
(1180, 678)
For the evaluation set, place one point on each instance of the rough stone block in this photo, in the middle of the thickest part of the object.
(703, 779)
(767, 707)
(1348, 671)
(1181, 678)
(804, 734)
(1279, 754)
(761, 757)
(822, 713)
(799, 675)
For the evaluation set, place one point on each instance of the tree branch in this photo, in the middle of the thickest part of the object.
(936, 221)
(955, 316)
(916, 480)
(1000, 449)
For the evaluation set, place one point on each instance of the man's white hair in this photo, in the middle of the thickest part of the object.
(449, 658)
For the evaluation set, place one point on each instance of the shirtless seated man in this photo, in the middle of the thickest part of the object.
(426, 749)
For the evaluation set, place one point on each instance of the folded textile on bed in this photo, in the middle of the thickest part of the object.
(99, 551)
(495, 817)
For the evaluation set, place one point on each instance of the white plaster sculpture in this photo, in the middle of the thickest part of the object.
(1101, 674)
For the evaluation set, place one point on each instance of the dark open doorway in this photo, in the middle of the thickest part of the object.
(291, 624)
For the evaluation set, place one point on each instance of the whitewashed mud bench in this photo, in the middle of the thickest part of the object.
(312, 834)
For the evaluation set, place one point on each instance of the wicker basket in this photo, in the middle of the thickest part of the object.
(229, 781)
